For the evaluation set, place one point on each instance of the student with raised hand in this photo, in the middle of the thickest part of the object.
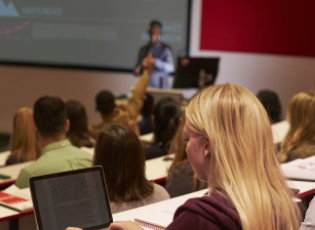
(299, 142)
(58, 155)
(126, 115)
(119, 151)
(230, 145)
(78, 133)
(23, 143)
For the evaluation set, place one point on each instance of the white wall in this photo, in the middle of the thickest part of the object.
(21, 86)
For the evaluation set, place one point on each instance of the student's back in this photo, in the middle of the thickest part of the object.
(58, 154)
(23, 143)
(299, 142)
(119, 151)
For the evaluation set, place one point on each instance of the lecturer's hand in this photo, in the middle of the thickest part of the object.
(73, 228)
(124, 225)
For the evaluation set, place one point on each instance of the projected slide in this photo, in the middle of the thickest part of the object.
(98, 33)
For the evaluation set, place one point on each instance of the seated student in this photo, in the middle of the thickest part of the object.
(122, 114)
(272, 104)
(309, 220)
(145, 125)
(58, 154)
(299, 142)
(166, 119)
(23, 146)
(181, 177)
(78, 133)
(229, 144)
(119, 151)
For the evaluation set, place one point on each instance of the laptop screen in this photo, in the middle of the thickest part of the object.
(76, 198)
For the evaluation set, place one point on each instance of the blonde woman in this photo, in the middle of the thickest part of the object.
(229, 144)
(23, 146)
(300, 139)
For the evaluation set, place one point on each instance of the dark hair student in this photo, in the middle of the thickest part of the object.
(166, 116)
(119, 151)
(78, 133)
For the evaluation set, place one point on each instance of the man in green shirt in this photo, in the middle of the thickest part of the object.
(58, 154)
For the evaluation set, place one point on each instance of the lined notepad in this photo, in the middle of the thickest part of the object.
(157, 220)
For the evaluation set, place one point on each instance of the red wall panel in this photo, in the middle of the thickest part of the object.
(263, 26)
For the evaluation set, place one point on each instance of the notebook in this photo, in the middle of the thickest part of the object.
(77, 198)
(17, 199)
(157, 220)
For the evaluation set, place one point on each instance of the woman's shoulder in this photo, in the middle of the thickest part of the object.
(212, 212)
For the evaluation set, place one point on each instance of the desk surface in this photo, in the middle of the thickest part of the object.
(300, 169)
(306, 188)
(156, 170)
(167, 205)
(13, 171)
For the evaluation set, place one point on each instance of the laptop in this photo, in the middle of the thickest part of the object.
(77, 198)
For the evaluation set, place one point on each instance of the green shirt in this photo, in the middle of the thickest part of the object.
(56, 157)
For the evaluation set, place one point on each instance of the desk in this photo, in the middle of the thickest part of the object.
(13, 171)
(172, 204)
(157, 168)
(306, 188)
(300, 169)
(167, 205)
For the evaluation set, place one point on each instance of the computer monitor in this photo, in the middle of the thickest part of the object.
(196, 72)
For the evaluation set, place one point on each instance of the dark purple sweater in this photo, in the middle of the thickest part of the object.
(212, 213)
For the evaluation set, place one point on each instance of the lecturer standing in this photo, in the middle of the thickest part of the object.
(162, 58)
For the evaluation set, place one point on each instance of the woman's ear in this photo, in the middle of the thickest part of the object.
(206, 146)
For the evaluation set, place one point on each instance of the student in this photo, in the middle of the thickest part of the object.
(166, 119)
(23, 146)
(52, 125)
(126, 115)
(300, 139)
(119, 151)
(230, 145)
(78, 133)
(272, 104)
(181, 177)
(145, 125)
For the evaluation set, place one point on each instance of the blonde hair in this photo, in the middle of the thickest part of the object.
(301, 116)
(23, 141)
(242, 159)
